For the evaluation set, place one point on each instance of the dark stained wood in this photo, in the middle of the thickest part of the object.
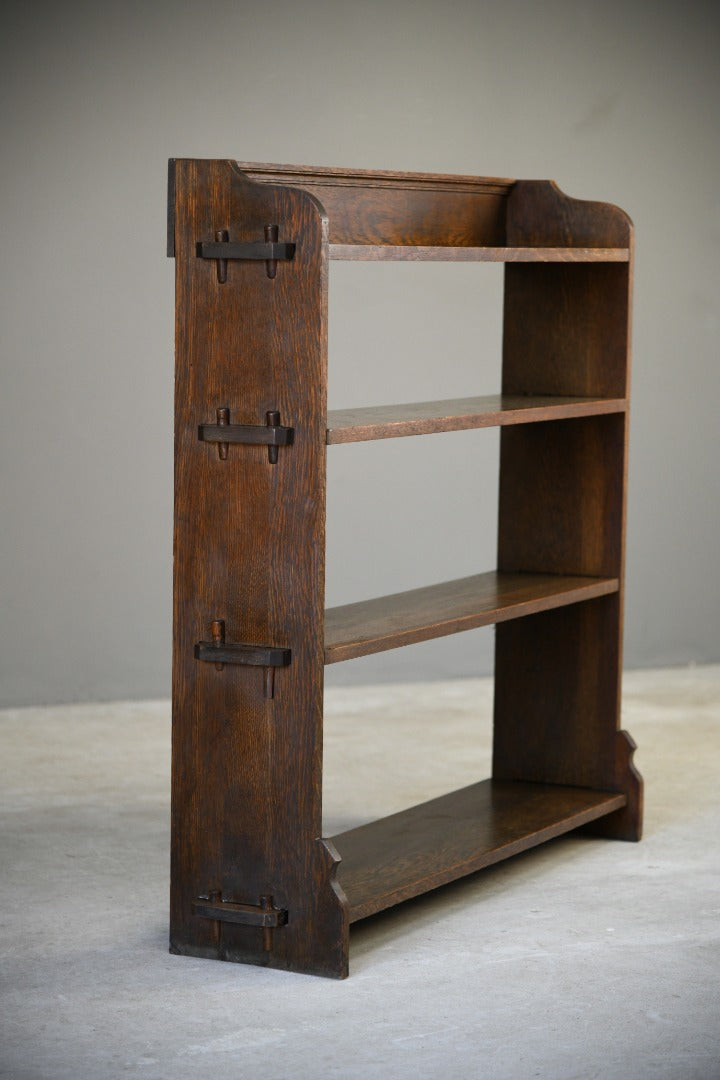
(249, 550)
(170, 245)
(540, 214)
(214, 652)
(251, 343)
(406, 618)
(561, 496)
(562, 505)
(409, 853)
(400, 208)
(271, 434)
(566, 330)
(625, 824)
(555, 681)
(416, 253)
(334, 176)
(459, 414)
(244, 914)
(224, 249)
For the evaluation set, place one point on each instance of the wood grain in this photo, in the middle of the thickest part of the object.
(334, 176)
(249, 550)
(539, 213)
(457, 253)
(562, 504)
(419, 849)
(566, 329)
(561, 496)
(556, 682)
(384, 207)
(406, 618)
(251, 344)
(459, 414)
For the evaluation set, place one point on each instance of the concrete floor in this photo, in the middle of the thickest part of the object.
(583, 959)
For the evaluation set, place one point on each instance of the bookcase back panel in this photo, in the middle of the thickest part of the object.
(407, 209)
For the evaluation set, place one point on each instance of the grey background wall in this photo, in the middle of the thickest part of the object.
(616, 100)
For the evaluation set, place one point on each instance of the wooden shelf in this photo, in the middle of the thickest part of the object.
(414, 253)
(407, 854)
(405, 618)
(459, 414)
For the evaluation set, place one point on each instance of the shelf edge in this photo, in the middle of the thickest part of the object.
(413, 253)
(341, 431)
(355, 645)
(594, 805)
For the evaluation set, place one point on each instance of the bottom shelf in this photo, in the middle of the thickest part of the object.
(409, 853)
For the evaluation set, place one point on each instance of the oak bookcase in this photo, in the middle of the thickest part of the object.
(252, 878)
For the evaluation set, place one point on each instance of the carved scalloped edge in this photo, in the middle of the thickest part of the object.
(625, 824)
(540, 214)
(331, 859)
(256, 180)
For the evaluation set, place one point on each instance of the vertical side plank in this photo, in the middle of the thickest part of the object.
(561, 496)
(539, 214)
(566, 329)
(562, 504)
(555, 696)
(249, 549)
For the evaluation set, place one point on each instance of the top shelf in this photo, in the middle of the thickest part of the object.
(418, 217)
(333, 177)
(410, 253)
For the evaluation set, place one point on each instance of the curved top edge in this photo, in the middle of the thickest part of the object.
(338, 177)
(609, 206)
(540, 213)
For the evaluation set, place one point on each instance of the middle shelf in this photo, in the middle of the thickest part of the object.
(405, 618)
(460, 414)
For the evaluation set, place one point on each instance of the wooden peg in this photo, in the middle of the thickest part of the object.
(269, 683)
(223, 418)
(272, 419)
(271, 237)
(217, 632)
(222, 236)
(266, 903)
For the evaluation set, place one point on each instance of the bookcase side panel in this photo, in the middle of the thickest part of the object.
(562, 503)
(555, 696)
(561, 496)
(566, 329)
(249, 557)
(557, 674)
(539, 213)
